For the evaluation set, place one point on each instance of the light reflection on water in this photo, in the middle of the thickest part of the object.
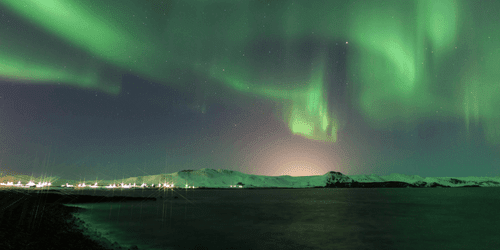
(459, 218)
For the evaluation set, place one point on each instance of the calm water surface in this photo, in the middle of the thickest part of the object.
(439, 218)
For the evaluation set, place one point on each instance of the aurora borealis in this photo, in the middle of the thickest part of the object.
(101, 89)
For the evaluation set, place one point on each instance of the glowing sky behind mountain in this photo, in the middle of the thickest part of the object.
(106, 89)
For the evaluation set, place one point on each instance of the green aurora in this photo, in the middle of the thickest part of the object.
(408, 60)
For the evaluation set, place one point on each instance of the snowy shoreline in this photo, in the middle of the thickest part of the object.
(229, 179)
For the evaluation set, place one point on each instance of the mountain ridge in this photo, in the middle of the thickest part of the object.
(225, 178)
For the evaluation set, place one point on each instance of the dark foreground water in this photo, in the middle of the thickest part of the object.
(405, 218)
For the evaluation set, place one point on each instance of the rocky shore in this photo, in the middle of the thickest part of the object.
(38, 220)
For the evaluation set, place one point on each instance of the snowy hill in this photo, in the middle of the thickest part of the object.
(417, 181)
(222, 178)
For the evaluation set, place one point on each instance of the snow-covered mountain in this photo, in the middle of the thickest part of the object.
(417, 181)
(222, 178)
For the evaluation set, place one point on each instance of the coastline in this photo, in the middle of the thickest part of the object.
(28, 221)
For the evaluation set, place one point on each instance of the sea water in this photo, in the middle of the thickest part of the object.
(380, 218)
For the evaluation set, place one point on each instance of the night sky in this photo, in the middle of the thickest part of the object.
(110, 89)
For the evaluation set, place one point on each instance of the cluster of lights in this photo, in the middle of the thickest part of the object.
(28, 185)
(125, 186)
(235, 186)
(83, 185)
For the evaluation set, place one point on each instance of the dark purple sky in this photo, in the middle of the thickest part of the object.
(195, 88)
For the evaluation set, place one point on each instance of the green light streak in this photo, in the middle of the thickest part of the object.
(412, 60)
(18, 69)
(306, 108)
(88, 27)
(442, 22)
